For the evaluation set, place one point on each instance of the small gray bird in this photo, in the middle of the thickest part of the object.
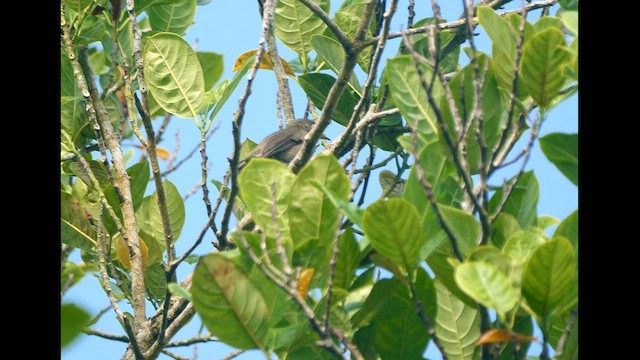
(282, 145)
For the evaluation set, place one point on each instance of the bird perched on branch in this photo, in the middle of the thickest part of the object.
(282, 145)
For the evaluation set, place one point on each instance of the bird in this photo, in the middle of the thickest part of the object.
(282, 145)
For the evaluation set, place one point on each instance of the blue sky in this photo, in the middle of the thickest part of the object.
(231, 28)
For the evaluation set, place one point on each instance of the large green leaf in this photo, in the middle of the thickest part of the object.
(212, 67)
(139, 177)
(348, 260)
(437, 168)
(522, 202)
(570, 21)
(457, 324)
(569, 229)
(348, 20)
(547, 276)
(488, 285)
(377, 300)
(523, 243)
(410, 96)
(331, 53)
(394, 229)
(173, 74)
(155, 280)
(75, 228)
(175, 207)
(72, 320)
(175, 17)
(499, 30)
(399, 331)
(257, 182)
(503, 228)
(562, 151)
(465, 228)
(295, 24)
(542, 65)
(317, 86)
(229, 304)
(78, 5)
(73, 117)
(312, 215)
(503, 49)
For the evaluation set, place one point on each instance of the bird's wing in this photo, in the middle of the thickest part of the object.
(274, 147)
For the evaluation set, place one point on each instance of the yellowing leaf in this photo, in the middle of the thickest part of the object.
(303, 282)
(265, 62)
(123, 252)
(501, 335)
(161, 152)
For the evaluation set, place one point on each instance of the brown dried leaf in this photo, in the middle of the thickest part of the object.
(303, 282)
(502, 335)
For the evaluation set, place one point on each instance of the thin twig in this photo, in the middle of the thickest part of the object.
(535, 128)
(428, 190)
(332, 267)
(569, 327)
(102, 334)
(233, 355)
(194, 340)
(456, 24)
(174, 356)
(171, 169)
(237, 125)
(427, 322)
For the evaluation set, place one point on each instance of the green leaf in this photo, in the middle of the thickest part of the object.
(569, 229)
(546, 221)
(488, 285)
(348, 20)
(390, 186)
(332, 54)
(317, 86)
(348, 260)
(364, 340)
(75, 228)
(570, 21)
(229, 304)
(562, 151)
(192, 259)
(176, 289)
(150, 218)
(71, 274)
(312, 215)
(547, 276)
(156, 281)
(457, 324)
(523, 243)
(295, 24)
(399, 331)
(256, 181)
(569, 4)
(436, 167)
(394, 229)
(175, 17)
(229, 87)
(542, 65)
(377, 300)
(212, 67)
(546, 22)
(72, 320)
(173, 74)
(139, 177)
(465, 228)
(410, 96)
(522, 202)
(92, 30)
(492, 255)
(77, 5)
(502, 229)
(499, 30)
